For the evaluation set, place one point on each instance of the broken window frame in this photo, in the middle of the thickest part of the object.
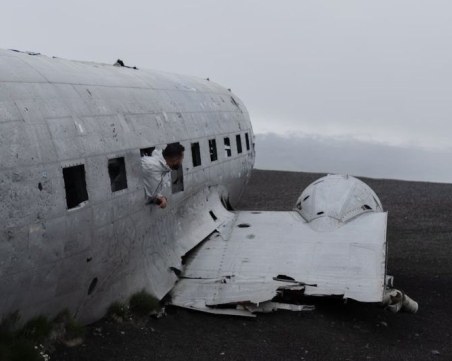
(74, 178)
(117, 173)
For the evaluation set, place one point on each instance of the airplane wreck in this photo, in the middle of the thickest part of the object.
(332, 243)
(76, 232)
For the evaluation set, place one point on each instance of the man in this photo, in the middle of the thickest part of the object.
(157, 172)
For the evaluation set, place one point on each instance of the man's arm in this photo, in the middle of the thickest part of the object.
(153, 179)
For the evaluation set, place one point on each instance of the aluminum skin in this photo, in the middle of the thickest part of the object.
(56, 114)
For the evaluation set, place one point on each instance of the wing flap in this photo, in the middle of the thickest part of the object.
(258, 254)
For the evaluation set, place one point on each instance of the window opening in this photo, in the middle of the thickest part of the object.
(239, 143)
(147, 152)
(177, 180)
(227, 146)
(75, 185)
(247, 141)
(196, 154)
(117, 172)
(213, 150)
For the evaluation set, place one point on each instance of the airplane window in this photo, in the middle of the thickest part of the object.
(196, 154)
(147, 152)
(213, 150)
(227, 147)
(117, 172)
(75, 185)
(247, 141)
(239, 143)
(177, 180)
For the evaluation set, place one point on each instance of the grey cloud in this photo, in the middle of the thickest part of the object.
(348, 156)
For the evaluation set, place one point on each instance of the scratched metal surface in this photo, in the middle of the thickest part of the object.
(333, 243)
(56, 113)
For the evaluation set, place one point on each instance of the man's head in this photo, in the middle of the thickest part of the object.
(174, 155)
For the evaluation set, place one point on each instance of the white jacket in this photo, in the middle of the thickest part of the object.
(156, 175)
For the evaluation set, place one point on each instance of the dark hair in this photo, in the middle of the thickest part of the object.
(173, 150)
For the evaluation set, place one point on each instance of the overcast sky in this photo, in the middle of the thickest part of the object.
(358, 158)
(377, 71)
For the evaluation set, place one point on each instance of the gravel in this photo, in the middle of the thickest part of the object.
(420, 259)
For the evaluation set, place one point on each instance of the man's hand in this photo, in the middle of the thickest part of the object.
(161, 201)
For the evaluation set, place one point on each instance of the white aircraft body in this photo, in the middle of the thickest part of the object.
(76, 232)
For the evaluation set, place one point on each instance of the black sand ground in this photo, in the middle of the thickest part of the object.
(420, 258)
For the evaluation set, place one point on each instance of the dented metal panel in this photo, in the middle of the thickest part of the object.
(257, 255)
(243, 267)
(56, 113)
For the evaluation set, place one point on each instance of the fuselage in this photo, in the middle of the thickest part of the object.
(75, 230)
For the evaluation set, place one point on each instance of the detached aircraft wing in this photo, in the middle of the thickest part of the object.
(332, 243)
